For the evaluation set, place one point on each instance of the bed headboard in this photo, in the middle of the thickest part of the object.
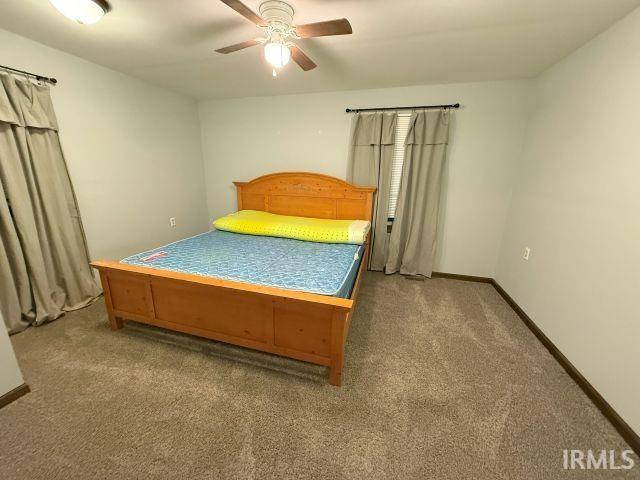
(306, 195)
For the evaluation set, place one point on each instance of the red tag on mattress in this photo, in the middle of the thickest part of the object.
(153, 256)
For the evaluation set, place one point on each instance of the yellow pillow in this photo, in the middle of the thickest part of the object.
(253, 222)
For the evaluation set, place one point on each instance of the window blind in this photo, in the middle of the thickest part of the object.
(402, 127)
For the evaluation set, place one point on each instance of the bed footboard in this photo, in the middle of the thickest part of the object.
(307, 327)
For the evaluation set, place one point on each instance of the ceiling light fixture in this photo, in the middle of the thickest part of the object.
(277, 54)
(85, 12)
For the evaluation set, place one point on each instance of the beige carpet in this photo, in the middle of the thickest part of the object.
(441, 381)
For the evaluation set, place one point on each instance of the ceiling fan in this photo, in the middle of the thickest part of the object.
(276, 20)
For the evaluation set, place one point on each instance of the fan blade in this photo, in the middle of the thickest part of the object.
(301, 59)
(323, 29)
(239, 46)
(245, 11)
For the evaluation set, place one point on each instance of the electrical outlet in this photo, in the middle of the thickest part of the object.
(527, 252)
(172, 222)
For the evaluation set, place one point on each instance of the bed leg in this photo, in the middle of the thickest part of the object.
(115, 323)
(338, 330)
(335, 374)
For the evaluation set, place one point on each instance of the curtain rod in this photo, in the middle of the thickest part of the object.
(52, 81)
(424, 107)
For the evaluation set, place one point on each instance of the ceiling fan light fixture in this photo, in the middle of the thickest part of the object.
(85, 12)
(277, 54)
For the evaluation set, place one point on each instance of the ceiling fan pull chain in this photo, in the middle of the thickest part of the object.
(275, 74)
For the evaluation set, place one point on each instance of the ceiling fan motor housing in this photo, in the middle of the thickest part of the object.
(278, 15)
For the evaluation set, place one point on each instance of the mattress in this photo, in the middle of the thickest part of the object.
(322, 268)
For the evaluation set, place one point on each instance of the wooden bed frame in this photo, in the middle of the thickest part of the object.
(299, 325)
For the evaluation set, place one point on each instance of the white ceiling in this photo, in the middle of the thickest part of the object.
(394, 42)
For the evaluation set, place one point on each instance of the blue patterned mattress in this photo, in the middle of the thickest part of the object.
(323, 268)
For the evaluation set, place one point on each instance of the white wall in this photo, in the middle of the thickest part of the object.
(576, 204)
(133, 150)
(10, 376)
(245, 138)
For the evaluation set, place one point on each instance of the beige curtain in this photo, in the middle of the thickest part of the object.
(370, 158)
(44, 268)
(412, 244)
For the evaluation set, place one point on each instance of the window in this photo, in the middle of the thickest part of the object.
(402, 127)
